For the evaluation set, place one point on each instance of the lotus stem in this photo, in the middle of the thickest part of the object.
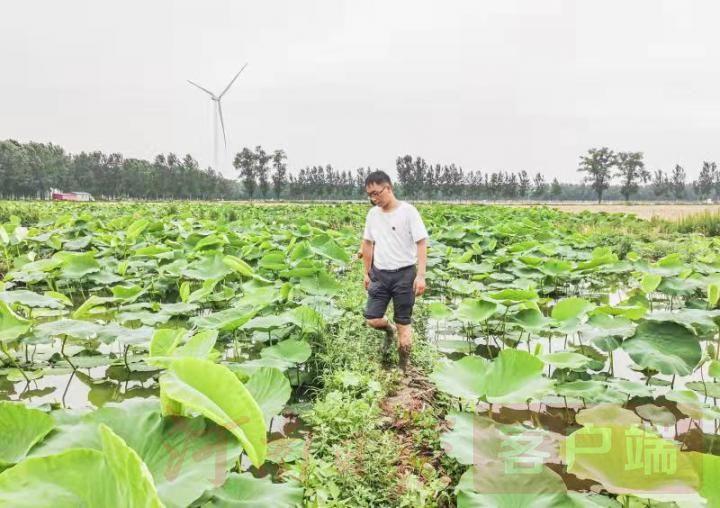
(13, 361)
(67, 359)
(125, 353)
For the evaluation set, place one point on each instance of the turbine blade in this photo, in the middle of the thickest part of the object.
(201, 88)
(222, 123)
(231, 82)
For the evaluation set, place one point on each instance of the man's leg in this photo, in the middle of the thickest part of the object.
(404, 345)
(378, 300)
(403, 303)
(390, 329)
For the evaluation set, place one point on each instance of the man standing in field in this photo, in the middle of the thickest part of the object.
(395, 240)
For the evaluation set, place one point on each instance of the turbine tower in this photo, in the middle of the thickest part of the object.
(218, 115)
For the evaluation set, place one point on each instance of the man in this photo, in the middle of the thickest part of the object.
(395, 240)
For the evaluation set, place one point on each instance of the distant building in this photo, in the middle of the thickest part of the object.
(71, 196)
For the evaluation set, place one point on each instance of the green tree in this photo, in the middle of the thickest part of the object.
(539, 187)
(705, 183)
(555, 189)
(523, 184)
(598, 164)
(279, 176)
(678, 182)
(630, 170)
(262, 170)
(661, 186)
(245, 163)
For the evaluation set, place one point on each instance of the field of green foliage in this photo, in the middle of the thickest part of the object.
(204, 354)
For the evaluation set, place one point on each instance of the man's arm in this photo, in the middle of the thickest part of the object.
(419, 284)
(367, 255)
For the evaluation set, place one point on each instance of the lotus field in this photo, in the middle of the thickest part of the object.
(204, 354)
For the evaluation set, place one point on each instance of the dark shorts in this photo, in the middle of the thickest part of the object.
(398, 286)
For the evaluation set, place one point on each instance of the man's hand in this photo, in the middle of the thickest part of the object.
(419, 285)
(367, 281)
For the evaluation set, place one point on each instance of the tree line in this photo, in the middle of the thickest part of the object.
(30, 170)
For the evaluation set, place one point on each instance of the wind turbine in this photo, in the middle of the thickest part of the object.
(218, 115)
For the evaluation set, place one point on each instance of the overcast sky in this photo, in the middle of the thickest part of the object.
(507, 84)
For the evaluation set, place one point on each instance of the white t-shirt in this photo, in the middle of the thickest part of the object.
(395, 235)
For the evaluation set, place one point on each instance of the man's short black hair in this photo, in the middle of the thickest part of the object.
(378, 177)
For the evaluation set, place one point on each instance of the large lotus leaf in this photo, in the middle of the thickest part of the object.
(306, 318)
(556, 267)
(178, 308)
(76, 265)
(12, 325)
(257, 294)
(135, 229)
(631, 388)
(473, 439)
(438, 311)
(698, 321)
(30, 299)
(475, 310)
(631, 460)
(225, 320)
(165, 340)
(246, 491)
(267, 323)
(657, 415)
(514, 295)
(145, 317)
(472, 267)
(290, 350)
(326, 247)
(515, 376)
(679, 287)
(464, 287)
(711, 389)
(128, 293)
(650, 282)
(251, 366)
(572, 308)
(82, 330)
(159, 251)
(200, 345)
(707, 467)
(633, 312)
(239, 266)
(320, 284)
(206, 268)
(90, 307)
(530, 319)
(186, 456)
(115, 476)
(271, 390)
(604, 325)
(512, 484)
(591, 389)
(566, 360)
(273, 261)
(664, 346)
(605, 414)
(214, 391)
(214, 240)
(21, 428)
(114, 332)
(463, 378)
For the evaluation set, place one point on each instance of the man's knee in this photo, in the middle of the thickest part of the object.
(376, 322)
